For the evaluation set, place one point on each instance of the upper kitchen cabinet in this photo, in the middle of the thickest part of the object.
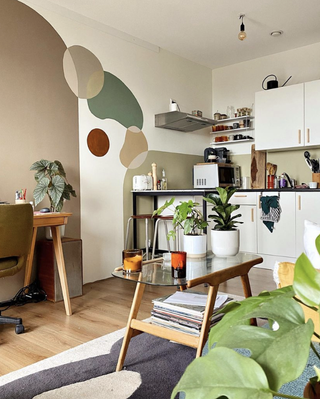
(312, 107)
(279, 121)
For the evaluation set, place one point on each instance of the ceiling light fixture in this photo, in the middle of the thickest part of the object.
(276, 33)
(242, 34)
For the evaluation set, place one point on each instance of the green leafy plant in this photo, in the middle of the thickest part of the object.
(223, 209)
(186, 215)
(51, 180)
(278, 354)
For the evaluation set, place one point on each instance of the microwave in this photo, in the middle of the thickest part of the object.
(212, 175)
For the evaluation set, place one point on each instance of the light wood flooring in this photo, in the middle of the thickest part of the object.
(103, 308)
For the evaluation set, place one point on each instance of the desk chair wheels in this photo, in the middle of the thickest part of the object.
(13, 320)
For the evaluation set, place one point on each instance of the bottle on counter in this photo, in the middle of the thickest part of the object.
(283, 181)
(276, 182)
(164, 182)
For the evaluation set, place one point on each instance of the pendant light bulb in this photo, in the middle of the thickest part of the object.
(242, 34)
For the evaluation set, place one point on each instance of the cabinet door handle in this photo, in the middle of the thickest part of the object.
(252, 214)
(259, 201)
(299, 202)
(308, 135)
(240, 196)
(299, 136)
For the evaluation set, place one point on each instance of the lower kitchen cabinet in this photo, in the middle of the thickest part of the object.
(248, 211)
(281, 242)
(307, 208)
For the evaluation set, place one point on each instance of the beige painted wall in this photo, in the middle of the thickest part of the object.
(38, 111)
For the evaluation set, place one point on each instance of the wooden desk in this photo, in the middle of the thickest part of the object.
(53, 220)
(217, 271)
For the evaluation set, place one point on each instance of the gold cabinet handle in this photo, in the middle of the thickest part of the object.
(308, 135)
(240, 196)
(299, 202)
(252, 214)
(299, 136)
(259, 201)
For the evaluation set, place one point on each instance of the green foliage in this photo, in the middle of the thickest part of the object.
(223, 209)
(186, 215)
(51, 179)
(275, 356)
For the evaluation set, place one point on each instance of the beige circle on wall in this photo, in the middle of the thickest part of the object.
(83, 72)
(98, 142)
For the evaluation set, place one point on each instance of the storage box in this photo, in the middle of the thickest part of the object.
(316, 178)
(48, 272)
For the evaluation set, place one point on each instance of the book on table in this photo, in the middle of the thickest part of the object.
(184, 311)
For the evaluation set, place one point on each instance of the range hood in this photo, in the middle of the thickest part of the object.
(181, 121)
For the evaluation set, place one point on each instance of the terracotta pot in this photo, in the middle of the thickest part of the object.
(312, 390)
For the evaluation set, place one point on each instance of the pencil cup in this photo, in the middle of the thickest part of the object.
(178, 264)
(20, 201)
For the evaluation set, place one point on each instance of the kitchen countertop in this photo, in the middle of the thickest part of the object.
(196, 191)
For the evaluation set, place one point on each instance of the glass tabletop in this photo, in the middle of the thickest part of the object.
(158, 272)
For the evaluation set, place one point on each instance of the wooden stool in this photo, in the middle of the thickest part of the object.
(146, 217)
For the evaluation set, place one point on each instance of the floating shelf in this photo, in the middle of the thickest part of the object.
(230, 142)
(240, 129)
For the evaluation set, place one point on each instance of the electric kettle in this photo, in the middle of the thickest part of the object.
(273, 84)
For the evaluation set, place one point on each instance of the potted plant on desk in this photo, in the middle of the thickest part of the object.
(266, 359)
(224, 235)
(52, 181)
(187, 216)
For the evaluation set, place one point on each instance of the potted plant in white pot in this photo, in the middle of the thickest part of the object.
(52, 181)
(187, 216)
(267, 358)
(224, 235)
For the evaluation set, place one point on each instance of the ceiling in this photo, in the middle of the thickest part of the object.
(206, 32)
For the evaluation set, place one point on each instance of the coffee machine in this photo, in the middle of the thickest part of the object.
(220, 155)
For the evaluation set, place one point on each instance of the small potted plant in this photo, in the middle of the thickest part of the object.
(51, 180)
(224, 235)
(267, 358)
(187, 216)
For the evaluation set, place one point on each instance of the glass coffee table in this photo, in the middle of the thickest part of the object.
(210, 270)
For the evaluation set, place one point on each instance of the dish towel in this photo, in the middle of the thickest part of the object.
(270, 211)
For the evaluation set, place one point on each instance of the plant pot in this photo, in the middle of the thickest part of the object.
(225, 243)
(312, 390)
(195, 246)
(49, 235)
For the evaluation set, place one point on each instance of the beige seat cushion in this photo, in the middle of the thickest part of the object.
(285, 275)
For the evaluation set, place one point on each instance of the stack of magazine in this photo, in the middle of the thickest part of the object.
(183, 311)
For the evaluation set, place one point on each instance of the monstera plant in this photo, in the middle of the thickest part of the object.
(51, 180)
(266, 358)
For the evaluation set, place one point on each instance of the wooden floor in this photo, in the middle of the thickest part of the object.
(102, 309)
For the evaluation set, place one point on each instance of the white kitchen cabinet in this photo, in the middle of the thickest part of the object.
(281, 242)
(248, 211)
(312, 106)
(307, 208)
(279, 118)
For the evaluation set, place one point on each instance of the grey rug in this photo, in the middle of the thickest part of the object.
(159, 362)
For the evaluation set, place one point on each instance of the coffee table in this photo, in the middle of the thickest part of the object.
(210, 270)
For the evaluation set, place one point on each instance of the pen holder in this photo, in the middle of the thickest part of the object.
(316, 178)
(20, 201)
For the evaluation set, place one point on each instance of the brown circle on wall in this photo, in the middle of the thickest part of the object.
(98, 142)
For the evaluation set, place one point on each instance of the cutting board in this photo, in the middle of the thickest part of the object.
(258, 168)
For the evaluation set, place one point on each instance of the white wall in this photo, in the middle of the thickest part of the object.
(236, 85)
(154, 78)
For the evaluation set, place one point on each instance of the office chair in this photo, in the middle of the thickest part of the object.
(16, 226)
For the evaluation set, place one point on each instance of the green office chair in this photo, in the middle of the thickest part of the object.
(16, 225)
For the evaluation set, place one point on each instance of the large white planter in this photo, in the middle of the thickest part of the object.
(225, 243)
(195, 246)
(49, 233)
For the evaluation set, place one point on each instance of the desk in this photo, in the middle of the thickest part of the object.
(53, 220)
(213, 272)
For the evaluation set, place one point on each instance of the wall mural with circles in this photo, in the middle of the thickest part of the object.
(108, 98)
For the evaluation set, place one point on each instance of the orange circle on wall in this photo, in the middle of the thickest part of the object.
(98, 142)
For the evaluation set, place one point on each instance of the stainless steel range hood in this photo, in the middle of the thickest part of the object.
(181, 121)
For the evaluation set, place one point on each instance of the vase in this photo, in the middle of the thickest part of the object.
(195, 245)
(225, 243)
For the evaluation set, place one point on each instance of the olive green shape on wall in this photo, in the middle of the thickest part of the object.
(116, 101)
